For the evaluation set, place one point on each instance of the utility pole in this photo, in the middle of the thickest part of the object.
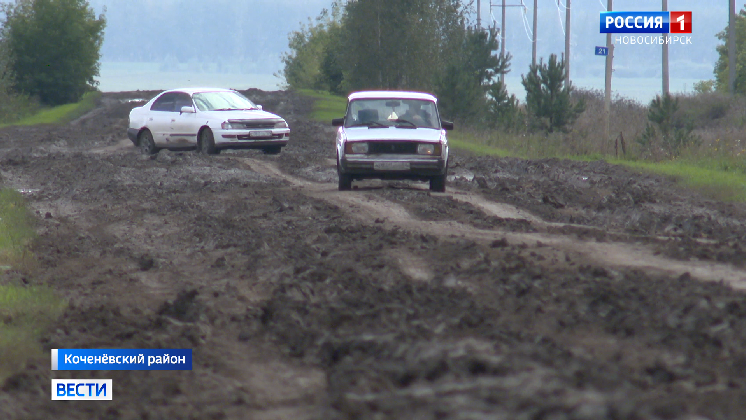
(479, 15)
(567, 42)
(502, 43)
(732, 48)
(502, 30)
(665, 56)
(609, 62)
(533, 49)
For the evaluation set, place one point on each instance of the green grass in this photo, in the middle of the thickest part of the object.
(720, 184)
(25, 312)
(326, 106)
(720, 179)
(60, 114)
(16, 231)
(463, 142)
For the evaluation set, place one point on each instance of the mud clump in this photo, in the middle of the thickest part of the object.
(184, 308)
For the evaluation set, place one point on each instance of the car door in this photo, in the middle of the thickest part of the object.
(160, 116)
(184, 125)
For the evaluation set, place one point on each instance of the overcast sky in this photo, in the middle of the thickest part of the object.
(254, 33)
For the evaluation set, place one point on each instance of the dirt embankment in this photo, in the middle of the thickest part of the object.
(531, 290)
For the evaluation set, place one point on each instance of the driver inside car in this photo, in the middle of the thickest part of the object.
(416, 114)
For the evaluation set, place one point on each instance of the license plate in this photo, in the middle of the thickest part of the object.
(260, 134)
(391, 166)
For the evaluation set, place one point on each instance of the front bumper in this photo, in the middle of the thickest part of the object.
(364, 166)
(247, 139)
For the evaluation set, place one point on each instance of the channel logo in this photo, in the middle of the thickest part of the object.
(81, 389)
(646, 22)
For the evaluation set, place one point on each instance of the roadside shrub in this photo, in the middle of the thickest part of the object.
(704, 86)
(670, 131)
(627, 119)
(705, 109)
(548, 98)
(504, 111)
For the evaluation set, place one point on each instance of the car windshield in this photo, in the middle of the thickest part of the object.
(400, 113)
(222, 101)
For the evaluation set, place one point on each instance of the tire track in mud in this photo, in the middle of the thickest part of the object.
(368, 208)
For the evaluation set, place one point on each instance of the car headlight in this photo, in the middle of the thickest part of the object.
(429, 149)
(356, 148)
(227, 126)
(281, 124)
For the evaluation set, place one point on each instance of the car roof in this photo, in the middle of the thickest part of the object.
(391, 94)
(193, 90)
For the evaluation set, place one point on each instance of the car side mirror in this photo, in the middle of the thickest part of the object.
(338, 122)
(447, 125)
(259, 107)
(187, 110)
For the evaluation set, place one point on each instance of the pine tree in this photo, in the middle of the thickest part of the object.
(548, 99)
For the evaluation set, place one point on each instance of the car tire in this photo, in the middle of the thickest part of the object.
(345, 182)
(273, 150)
(438, 183)
(146, 144)
(206, 143)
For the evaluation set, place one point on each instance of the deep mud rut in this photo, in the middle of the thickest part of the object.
(530, 290)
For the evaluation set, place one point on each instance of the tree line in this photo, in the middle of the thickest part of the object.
(424, 45)
(49, 52)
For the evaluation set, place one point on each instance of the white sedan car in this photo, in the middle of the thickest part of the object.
(392, 135)
(205, 119)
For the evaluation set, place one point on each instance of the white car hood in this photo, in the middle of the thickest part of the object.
(393, 134)
(238, 115)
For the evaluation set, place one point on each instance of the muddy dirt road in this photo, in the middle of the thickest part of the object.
(536, 290)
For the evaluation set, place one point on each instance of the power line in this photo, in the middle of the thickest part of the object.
(559, 16)
(529, 33)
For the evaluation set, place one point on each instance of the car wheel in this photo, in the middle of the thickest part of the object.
(345, 182)
(146, 143)
(206, 143)
(274, 150)
(438, 183)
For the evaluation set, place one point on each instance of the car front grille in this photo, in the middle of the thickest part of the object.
(255, 124)
(273, 136)
(391, 147)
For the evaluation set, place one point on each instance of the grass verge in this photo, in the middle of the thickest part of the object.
(717, 179)
(60, 114)
(25, 312)
(326, 106)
